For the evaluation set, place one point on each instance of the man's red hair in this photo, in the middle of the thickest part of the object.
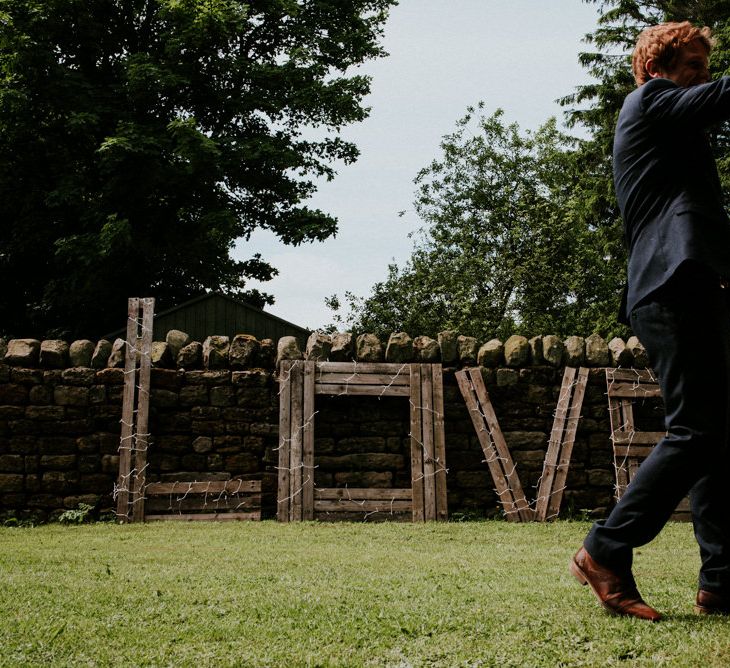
(663, 43)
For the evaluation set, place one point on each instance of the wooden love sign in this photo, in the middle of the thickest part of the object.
(499, 459)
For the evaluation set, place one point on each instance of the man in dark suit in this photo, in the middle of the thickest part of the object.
(678, 236)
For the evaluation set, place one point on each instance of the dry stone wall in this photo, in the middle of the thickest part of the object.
(214, 415)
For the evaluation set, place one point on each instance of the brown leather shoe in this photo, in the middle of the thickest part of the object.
(616, 591)
(711, 603)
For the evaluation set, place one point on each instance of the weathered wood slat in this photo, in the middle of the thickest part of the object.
(212, 503)
(554, 444)
(560, 449)
(297, 424)
(490, 454)
(684, 506)
(630, 375)
(388, 368)
(283, 500)
(205, 517)
(373, 493)
(439, 443)
(360, 378)
(637, 437)
(205, 487)
(642, 451)
(308, 443)
(504, 457)
(616, 417)
(141, 440)
(373, 516)
(416, 448)
(627, 412)
(568, 440)
(364, 505)
(636, 391)
(363, 390)
(627, 468)
(429, 480)
(476, 403)
(126, 443)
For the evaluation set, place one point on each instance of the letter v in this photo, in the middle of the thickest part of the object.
(499, 458)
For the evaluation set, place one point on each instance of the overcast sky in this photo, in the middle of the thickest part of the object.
(518, 55)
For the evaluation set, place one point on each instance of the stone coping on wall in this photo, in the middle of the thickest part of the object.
(245, 351)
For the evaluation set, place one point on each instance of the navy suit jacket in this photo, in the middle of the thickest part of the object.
(667, 185)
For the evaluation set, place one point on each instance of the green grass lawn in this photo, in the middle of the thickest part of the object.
(267, 594)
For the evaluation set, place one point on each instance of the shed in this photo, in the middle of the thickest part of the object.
(217, 314)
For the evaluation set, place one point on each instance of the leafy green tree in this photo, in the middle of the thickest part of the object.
(523, 233)
(596, 105)
(140, 139)
(502, 249)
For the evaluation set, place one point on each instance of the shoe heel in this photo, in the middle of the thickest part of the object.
(577, 574)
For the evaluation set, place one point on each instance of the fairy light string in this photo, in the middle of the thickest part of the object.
(622, 429)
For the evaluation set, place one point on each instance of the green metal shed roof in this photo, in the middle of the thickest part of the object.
(217, 314)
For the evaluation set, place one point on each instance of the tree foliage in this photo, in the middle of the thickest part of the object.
(140, 139)
(501, 249)
(522, 232)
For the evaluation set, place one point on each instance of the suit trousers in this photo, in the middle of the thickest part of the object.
(685, 328)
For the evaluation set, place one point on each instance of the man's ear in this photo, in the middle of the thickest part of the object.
(652, 69)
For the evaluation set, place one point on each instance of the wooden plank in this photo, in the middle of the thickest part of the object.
(632, 450)
(416, 448)
(637, 437)
(205, 487)
(616, 417)
(283, 500)
(374, 516)
(370, 493)
(141, 440)
(364, 505)
(684, 506)
(635, 391)
(614, 413)
(126, 443)
(490, 453)
(363, 390)
(505, 493)
(633, 467)
(627, 413)
(624, 414)
(308, 443)
(297, 424)
(552, 455)
(439, 436)
(364, 367)
(429, 480)
(630, 375)
(504, 456)
(206, 517)
(211, 503)
(362, 379)
(627, 422)
(566, 450)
